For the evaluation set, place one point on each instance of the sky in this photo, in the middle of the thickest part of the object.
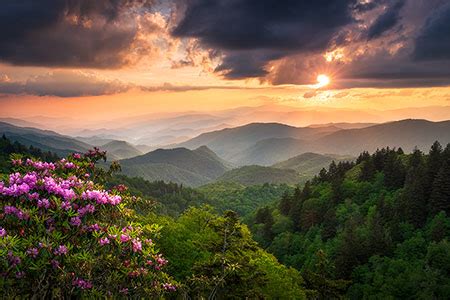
(106, 59)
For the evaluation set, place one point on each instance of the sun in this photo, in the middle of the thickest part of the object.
(322, 80)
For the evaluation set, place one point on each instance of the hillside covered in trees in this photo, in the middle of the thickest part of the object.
(64, 234)
(375, 227)
(378, 227)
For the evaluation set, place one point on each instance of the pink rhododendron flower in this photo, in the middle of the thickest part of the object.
(124, 238)
(81, 283)
(169, 287)
(33, 252)
(55, 263)
(66, 205)
(69, 165)
(103, 241)
(61, 250)
(137, 245)
(2, 232)
(75, 221)
(43, 203)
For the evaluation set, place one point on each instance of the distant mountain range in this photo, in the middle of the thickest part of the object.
(44, 139)
(232, 143)
(181, 165)
(265, 152)
(63, 145)
(120, 149)
(268, 143)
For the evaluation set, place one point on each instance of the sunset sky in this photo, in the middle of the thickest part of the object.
(99, 60)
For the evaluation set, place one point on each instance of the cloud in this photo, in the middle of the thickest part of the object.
(381, 43)
(73, 33)
(249, 34)
(63, 84)
(386, 21)
(433, 42)
(310, 94)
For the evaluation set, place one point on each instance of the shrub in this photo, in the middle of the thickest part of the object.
(63, 235)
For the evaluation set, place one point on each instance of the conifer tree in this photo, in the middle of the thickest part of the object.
(440, 193)
(434, 162)
(285, 204)
(414, 202)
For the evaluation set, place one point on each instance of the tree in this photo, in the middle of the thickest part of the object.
(394, 171)
(264, 216)
(440, 193)
(367, 170)
(321, 282)
(434, 162)
(285, 204)
(415, 209)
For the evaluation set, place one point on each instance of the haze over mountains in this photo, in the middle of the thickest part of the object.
(250, 154)
(266, 144)
(161, 129)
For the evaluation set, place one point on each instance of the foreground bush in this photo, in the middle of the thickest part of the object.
(62, 235)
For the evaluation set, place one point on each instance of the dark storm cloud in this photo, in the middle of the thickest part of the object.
(62, 84)
(387, 20)
(67, 33)
(433, 42)
(254, 32)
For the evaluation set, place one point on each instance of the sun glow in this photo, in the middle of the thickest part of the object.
(322, 80)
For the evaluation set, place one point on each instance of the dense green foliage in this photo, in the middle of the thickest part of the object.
(62, 235)
(242, 199)
(380, 223)
(378, 228)
(173, 199)
(57, 247)
(253, 175)
(309, 164)
(7, 147)
(179, 165)
(170, 198)
(215, 257)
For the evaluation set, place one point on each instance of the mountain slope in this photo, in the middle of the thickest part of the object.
(229, 142)
(406, 134)
(120, 150)
(253, 175)
(310, 164)
(43, 139)
(180, 165)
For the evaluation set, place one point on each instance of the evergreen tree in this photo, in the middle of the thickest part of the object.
(394, 172)
(285, 204)
(367, 170)
(434, 162)
(414, 201)
(440, 193)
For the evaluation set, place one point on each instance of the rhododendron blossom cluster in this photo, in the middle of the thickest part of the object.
(62, 234)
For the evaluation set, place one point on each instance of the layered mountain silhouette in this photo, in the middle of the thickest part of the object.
(269, 143)
(44, 139)
(120, 149)
(290, 152)
(181, 165)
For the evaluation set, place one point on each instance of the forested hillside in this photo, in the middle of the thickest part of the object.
(180, 165)
(7, 148)
(377, 228)
(75, 238)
